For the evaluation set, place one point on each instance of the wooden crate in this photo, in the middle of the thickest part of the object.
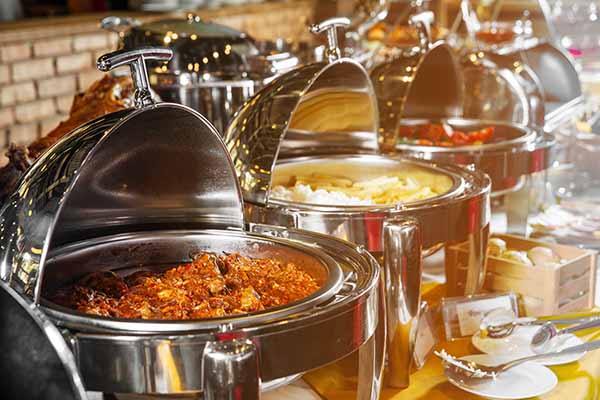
(544, 290)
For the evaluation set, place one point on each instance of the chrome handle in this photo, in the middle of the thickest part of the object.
(402, 248)
(422, 22)
(230, 370)
(118, 24)
(470, 18)
(136, 59)
(330, 26)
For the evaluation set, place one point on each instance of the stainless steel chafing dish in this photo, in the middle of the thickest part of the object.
(558, 79)
(469, 92)
(425, 82)
(536, 59)
(145, 187)
(214, 68)
(316, 119)
(499, 88)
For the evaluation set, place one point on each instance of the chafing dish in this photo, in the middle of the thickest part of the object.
(534, 57)
(145, 187)
(469, 91)
(515, 150)
(316, 119)
(558, 78)
(214, 68)
(425, 82)
(497, 87)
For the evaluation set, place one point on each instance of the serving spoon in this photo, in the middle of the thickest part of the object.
(457, 368)
(540, 342)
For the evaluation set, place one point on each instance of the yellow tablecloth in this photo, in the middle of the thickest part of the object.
(577, 381)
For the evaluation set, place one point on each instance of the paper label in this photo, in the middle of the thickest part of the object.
(425, 341)
(470, 313)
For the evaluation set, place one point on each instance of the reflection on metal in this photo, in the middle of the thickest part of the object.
(499, 88)
(321, 97)
(114, 173)
(145, 188)
(417, 85)
(33, 348)
(402, 271)
(318, 118)
(515, 152)
(214, 68)
(230, 371)
(136, 60)
(332, 51)
(423, 21)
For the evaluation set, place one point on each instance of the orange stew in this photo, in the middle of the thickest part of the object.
(209, 286)
(443, 135)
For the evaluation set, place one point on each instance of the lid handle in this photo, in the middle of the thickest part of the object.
(136, 59)
(423, 21)
(329, 26)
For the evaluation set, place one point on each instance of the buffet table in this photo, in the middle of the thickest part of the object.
(578, 380)
(311, 193)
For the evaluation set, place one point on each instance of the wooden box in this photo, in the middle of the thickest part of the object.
(544, 290)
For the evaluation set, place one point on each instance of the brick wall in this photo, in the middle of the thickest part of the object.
(44, 63)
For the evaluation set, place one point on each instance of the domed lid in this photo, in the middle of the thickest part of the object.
(314, 109)
(425, 83)
(158, 166)
(206, 49)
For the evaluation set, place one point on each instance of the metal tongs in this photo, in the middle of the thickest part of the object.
(496, 325)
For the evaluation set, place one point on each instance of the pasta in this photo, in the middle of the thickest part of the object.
(314, 189)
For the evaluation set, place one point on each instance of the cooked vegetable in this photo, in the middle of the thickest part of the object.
(443, 135)
(209, 286)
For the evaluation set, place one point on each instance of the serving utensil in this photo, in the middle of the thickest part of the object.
(458, 368)
(496, 325)
(548, 331)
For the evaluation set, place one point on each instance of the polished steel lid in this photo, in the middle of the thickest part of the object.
(151, 167)
(422, 83)
(205, 49)
(501, 88)
(329, 98)
(558, 77)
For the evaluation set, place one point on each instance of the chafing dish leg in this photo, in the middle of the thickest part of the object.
(476, 268)
(517, 209)
(230, 371)
(402, 248)
(371, 355)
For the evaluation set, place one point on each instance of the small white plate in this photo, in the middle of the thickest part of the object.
(517, 344)
(523, 381)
